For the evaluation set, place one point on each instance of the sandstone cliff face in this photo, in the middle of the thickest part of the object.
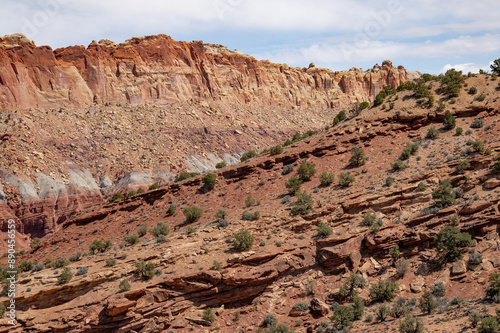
(159, 70)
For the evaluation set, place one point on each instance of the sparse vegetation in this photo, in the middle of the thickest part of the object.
(209, 181)
(450, 241)
(369, 219)
(146, 270)
(276, 150)
(293, 185)
(438, 289)
(248, 155)
(220, 165)
(432, 133)
(153, 187)
(327, 178)
(427, 302)
(192, 214)
(345, 179)
(451, 82)
(306, 170)
(34, 242)
(160, 229)
(449, 120)
(351, 285)
(383, 291)
(477, 123)
(124, 286)
(324, 230)
(248, 216)
(243, 240)
(358, 157)
(411, 325)
(117, 197)
(462, 166)
(208, 315)
(444, 194)
(304, 203)
(110, 262)
(398, 165)
(249, 201)
(132, 239)
(65, 276)
(186, 175)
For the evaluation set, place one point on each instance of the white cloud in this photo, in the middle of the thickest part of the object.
(466, 68)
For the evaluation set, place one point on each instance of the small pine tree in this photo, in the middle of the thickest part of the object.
(427, 302)
(449, 120)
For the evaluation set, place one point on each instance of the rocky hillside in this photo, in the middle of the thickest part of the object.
(413, 175)
(79, 124)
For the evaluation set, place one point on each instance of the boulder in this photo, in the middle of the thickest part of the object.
(319, 308)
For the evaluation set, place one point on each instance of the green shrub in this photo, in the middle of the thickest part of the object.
(217, 265)
(369, 219)
(474, 318)
(26, 265)
(444, 194)
(123, 286)
(192, 214)
(382, 312)
(276, 150)
(153, 187)
(451, 82)
(3, 309)
(477, 123)
(399, 308)
(477, 145)
(394, 252)
(438, 289)
(327, 178)
(493, 288)
(383, 291)
(421, 187)
(304, 203)
(191, 230)
(306, 170)
(132, 239)
(293, 185)
(249, 201)
(480, 98)
(243, 240)
(248, 216)
(449, 120)
(186, 175)
(143, 230)
(146, 270)
(82, 270)
(398, 165)
(116, 197)
(389, 181)
(346, 179)
(61, 262)
(459, 131)
(301, 305)
(427, 302)
(171, 209)
(208, 315)
(364, 105)
(358, 157)
(450, 241)
(432, 133)
(220, 165)
(110, 262)
(411, 325)
(269, 320)
(488, 325)
(350, 286)
(287, 169)
(65, 276)
(34, 242)
(221, 214)
(248, 155)
(160, 229)
(140, 191)
(472, 90)
(131, 193)
(209, 181)
(324, 230)
(462, 166)
(343, 317)
(342, 115)
(358, 308)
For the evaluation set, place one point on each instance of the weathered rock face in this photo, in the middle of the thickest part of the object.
(159, 70)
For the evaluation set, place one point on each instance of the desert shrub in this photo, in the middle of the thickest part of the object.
(358, 157)
(61, 262)
(269, 320)
(131, 193)
(350, 286)
(25, 265)
(248, 216)
(301, 306)
(398, 165)
(369, 219)
(480, 98)
(276, 150)
(304, 203)
(116, 197)
(223, 223)
(432, 133)
(248, 155)
(249, 202)
(143, 230)
(451, 81)
(287, 169)
(459, 131)
(382, 291)
(477, 123)
(221, 214)
(324, 230)
(462, 166)
(438, 289)
(160, 229)
(343, 317)
(382, 312)
(110, 262)
(327, 178)
(132, 239)
(402, 266)
(449, 120)
(411, 325)
(293, 184)
(140, 191)
(358, 308)
(450, 241)
(75, 257)
(123, 286)
(208, 315)
(82, 270)
(475, 258)
(488, 325)
(306, 170)
(493, 289)
(3, 309)
(65, 276)
(410, 149)
(477, 145)
(364, 105)
(209, 181)
(192, 214)
(186, 175)
(34, 242)
(394, 252)
(399, 308)
(389, 181)
(220, 165)
(427, 302)
(472, 90)
(421, 187)
(38, 267)
(474, 318)
(346, 179)
(153, 187)
(146, 270)
(243, 240)
(444, 195)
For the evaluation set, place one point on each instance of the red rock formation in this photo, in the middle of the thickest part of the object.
(159, 70)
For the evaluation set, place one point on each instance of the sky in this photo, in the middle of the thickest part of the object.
(423, 35)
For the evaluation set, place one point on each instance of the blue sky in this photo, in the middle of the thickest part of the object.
(427, 35)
